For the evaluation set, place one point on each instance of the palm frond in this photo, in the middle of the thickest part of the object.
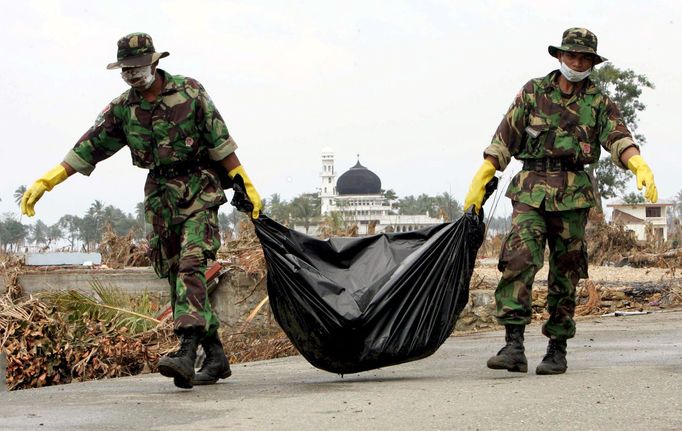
(111, 304)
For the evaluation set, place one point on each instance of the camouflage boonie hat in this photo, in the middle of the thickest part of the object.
(135, 50)
(578, 40)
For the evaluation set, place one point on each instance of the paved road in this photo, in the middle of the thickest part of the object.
(625, 373)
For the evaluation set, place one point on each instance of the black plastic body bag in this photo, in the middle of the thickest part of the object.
(355, 304)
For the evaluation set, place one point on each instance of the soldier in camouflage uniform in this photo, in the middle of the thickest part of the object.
(172, 129)
(556, 125)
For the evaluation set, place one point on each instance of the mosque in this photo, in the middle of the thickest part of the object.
(356, 195)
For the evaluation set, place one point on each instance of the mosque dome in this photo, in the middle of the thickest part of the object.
(358, 180)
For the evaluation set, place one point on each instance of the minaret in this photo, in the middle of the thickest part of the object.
(328, 188)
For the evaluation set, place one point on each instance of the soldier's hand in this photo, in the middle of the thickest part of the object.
(250, 190)
(645, 177)
(31, 196)
(477, 189)
(44, 184)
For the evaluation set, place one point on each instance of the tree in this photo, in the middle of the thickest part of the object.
(54, 233)
(624, 87)
(304, 208)
(332, 225)
(277, 209)
(141, 219)
(12, 233)
(89, 231)
(19, 194)
(633, 198)
(422, 204)
(71, 226)
(225, 226)
(447, 207)
(390, 195)
(39, 233)
(121, 222)
(235, 218)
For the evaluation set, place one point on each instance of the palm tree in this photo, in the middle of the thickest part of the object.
(39, 233)
(19, 194)
(304, 208)
(140, 218)
(447, 207)
(54, 233)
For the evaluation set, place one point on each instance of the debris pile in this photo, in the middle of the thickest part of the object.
(43, 348)
(614, 245)
(612, 289)
(244, 252)
(611, 244)
(257, 344)
(120, 251)
(608, 242)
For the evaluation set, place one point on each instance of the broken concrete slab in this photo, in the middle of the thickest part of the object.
(132, 280)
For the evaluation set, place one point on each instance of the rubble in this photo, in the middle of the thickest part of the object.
(608, 290)
(46, 346)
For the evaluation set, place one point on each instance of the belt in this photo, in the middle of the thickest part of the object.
(552, 164)
(177, 169)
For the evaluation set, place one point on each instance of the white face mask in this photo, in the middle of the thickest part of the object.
(573, 75)
(140, 78)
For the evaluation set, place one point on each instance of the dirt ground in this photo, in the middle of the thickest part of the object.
(626, 275)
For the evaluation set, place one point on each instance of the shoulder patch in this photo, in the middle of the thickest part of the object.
(100, 118)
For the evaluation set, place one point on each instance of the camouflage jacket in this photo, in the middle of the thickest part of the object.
(181, 126)
(541, 123)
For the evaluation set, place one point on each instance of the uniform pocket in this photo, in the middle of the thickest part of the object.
(536, 141)
(504, 253)
(157, 256)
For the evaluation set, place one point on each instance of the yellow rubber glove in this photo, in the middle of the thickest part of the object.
(44, 184)
(477, 189)
(645, 177)
(251, 192)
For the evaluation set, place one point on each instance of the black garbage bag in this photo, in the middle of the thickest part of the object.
(355, 304)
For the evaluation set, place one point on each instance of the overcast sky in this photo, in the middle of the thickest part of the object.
(417, 88)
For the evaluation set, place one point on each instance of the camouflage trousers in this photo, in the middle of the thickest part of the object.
(182, 253)
(522, 257)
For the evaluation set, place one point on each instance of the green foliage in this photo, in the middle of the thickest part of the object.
(411, 205)
(390, 194)
(19, 194)
(447, 207)
(443, 205)
(12, 232)
(633, 198)
(111, 305)
(54, 233)
(624, 87)
(304, 208)
(39, 232)
(70, 225)
(277, 209)
(611, 179)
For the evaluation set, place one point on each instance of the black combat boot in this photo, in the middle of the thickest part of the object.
(554, 361)
(180, 364)
(511, 357)
(216, 365)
